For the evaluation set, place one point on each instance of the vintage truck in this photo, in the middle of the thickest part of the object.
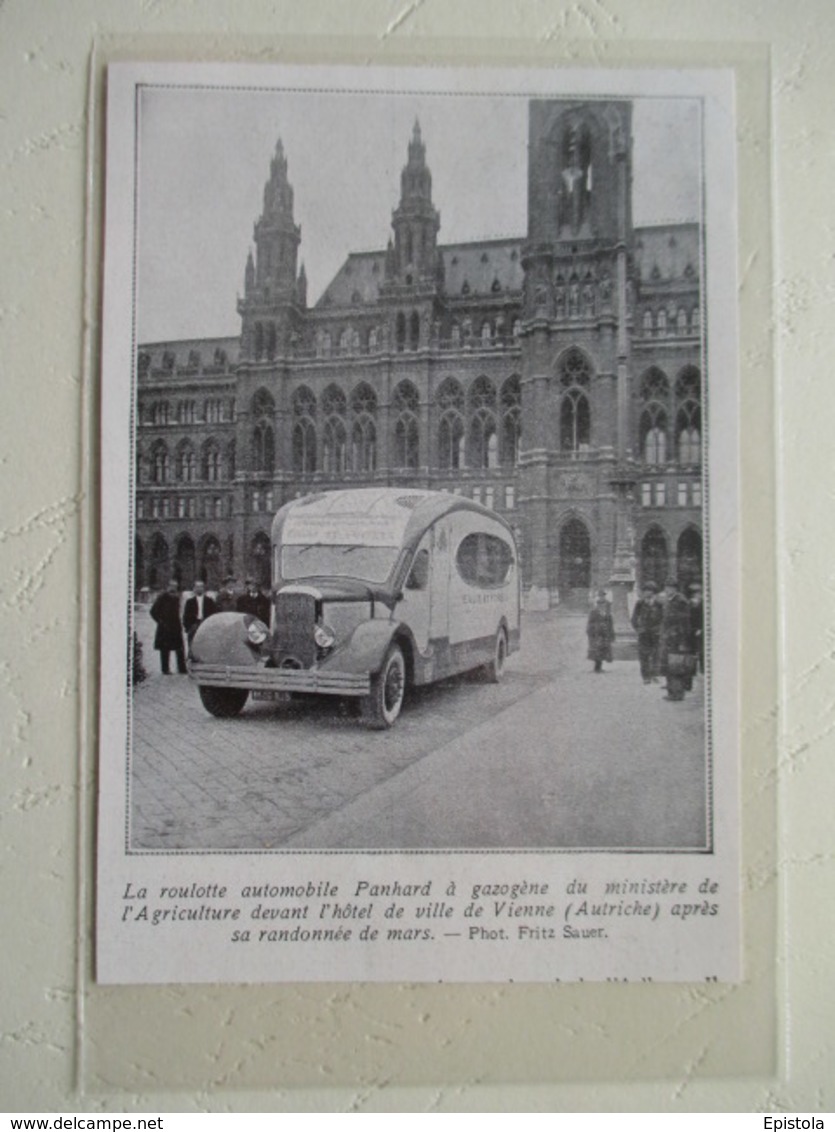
(374, 590)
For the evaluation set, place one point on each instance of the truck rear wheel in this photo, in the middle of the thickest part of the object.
(494, 669)
(225, 703)
(381, 707)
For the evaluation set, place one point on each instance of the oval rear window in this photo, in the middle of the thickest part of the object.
(484, 560)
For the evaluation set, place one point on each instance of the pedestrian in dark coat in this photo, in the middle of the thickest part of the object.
(227, 601)
(197, 609)
(254, 602)
(676, 654)
(169, 635)
(600, 630)
(697, 624)
(646, 621)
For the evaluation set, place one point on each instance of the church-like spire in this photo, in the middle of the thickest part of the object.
(271, 282)
(415, 221)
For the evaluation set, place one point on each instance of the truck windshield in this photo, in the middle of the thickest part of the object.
(348, 560)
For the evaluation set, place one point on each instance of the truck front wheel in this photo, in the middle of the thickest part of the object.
(381, 707)
(225, 703)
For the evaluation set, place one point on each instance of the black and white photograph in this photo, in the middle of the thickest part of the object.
(418, 546)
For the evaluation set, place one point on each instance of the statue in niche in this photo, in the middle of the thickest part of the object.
(576, 177)
(588, 299)
(573, 300)
(605, 290)
(560, 302)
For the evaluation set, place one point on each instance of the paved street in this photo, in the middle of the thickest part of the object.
(555, 756)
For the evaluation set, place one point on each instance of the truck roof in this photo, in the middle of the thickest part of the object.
(371, 516)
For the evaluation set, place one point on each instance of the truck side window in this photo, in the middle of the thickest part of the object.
(484, 560)
(419, 573)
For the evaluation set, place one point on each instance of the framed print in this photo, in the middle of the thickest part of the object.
(419, 526)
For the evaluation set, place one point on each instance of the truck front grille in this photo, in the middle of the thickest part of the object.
(295, 620)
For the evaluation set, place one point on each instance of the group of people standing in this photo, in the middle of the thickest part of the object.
(172, 620)
(670, 632)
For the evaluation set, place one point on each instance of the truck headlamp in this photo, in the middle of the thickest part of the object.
(324, 636)
(257, 632)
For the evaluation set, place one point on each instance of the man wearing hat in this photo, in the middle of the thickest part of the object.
(169, 635)
(198, 607)
(254, 602)
(600, 630)
(646, 621)
(227, 601)
(697, 624)
(677, 659)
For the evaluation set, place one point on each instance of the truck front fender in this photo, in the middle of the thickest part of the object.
(365, 649)
(222, 639)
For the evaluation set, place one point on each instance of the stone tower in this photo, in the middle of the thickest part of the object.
(413, 270)
(576, 429)
(274, 293)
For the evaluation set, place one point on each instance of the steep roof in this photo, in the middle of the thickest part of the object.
(667, 251)
(486, 266)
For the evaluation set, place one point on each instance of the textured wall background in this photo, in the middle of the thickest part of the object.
(67, 1045)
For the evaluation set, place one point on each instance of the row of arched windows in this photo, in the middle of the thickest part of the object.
(188, 464)
(670, 321)
(183, 507)
(670, 424)
(214, 410)
(477, 429)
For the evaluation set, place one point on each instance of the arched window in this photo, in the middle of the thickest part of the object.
(160, 464)
(414, 330)
(575, 409)
(689, 558)
(346, 340)
(511, 409)
(695, 319)
(363, 428)
(263, 436)
(486, 334)
(159, 565)
(451, 425)
(160, 413)
(484, 442)
(647, 323)
(654, 421)
(334, 431)
(654, 557)
(662, 322)
(259, 341)
(688, 395)
(405, 403)
(184, 561)
(211, 465)
(186, 463)
(304, 430)
(574, 571)
(210, 563)
(400, 332)
(681, 321)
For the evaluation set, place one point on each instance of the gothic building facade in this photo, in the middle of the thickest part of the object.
(556, 377)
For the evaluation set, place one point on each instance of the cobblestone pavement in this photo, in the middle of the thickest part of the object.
(554, 756)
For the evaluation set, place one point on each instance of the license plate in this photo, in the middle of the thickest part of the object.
(275, 697)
